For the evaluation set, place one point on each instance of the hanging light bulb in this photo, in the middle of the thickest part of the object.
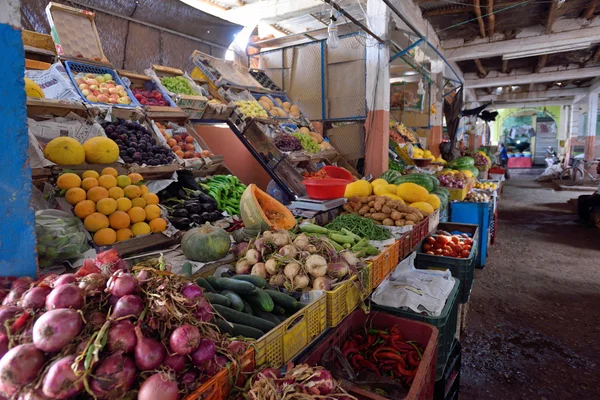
(421, 89)
(332, 30)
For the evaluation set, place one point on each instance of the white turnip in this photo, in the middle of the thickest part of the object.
(322, 283)
(291, 270)
(289, 250)
(271, 266)
(259, 270)
(301, 281)
(337, 270)
(316, 266)
(253, 256)
(242, 267)
(277, 280)
(301, 242)
(280, 238)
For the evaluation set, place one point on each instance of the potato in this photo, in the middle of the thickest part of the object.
(388, 222)
(411, 217)
(363, 210)
(379, 216)
(348, 207)
(386, 209)
(367, 215)
(400, 222)
(356, 205)
(378, 206)
(364, 200)
(395, 215)
(372, 210)
(371, 203)
(372, 198)
(407, 223)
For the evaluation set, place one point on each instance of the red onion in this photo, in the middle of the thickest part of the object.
(129, 305)
(88, 267)
(96, 320)
(114, 376)
(23, 281)
(60, 381)
(237, 347)
(65, 296)
(3, 345)
(322, 380)
(143, 276)
(14, 295)
(149, 353)
(185, 339)
(7, 281)
(35, 297)
(3, 294)
(191, 291)
(121, 284)
(20, 366)
(92, 283)
(65, 280)
(32, 394)
(112, 301)
(121, 337)
(6, 313)
(270, 373)
(205, 352)
(239, 250)
(56, 328)
(189, 377)
(159, 386)
(203, 310)
(176, 362)
(213, 366)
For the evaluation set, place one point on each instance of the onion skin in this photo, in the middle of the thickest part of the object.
(322, 381)
(3, 345)
(23, 281)
(60, 381)
(237, 347)
(189, 377)
(185, 339)
(240, 249)
(55, 329)
(149, 353)
(142, 276)
(121, 284)
(93, 283)
(14, 295)
(191, 291)
(20, 366)
(121, 337)
(159, 386)
(206, 351)
(6, 313)
(65, 296)
(35, 298)
(176, 362)
(97, 319)
(64, 279)
(203, 311)
(129, 305)
(114, 376)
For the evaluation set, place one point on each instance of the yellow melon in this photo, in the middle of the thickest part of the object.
(434, 201)
(423, 206)
(105, 237)
(64, 150)
(393, 197)
(116, 193)
(97, 193)
(137, 214)
(107, 181)
(90, 174)
(132, 192)
(411, 192)
(75, 195)
(119, 220)
(138, 202)
(135, 177)
(85, 208)
(101, 150)
(140, 228)
(32, 89)
(88, 183)
(96, 221)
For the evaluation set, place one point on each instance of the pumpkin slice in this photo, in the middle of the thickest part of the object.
(259, 209)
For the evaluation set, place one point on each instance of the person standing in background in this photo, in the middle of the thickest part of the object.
(503, 156)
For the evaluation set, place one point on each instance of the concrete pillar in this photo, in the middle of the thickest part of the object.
(17, 236)
(590, 137)
(377, 125)
(573, 131)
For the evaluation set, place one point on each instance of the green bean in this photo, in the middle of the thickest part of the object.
(363, 227)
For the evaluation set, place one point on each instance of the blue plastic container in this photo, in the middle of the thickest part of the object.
(478, 214)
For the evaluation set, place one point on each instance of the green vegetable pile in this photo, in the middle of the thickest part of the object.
(179, 85)
(58, 237)
(342, 238)
(227, 190)
(395, 166)
(308, 143)
(363, 227)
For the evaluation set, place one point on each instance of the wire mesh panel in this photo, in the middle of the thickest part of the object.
(349, 140)
(305, 80)
(346, 80)
(272, 64)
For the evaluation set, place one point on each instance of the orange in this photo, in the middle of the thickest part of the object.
(106, 206)
(116, 193)
(124, 234)
(123, 181)
(75, 195)
(109, 171)
(137, 214)
(84, 208)
(141, 228)
(152, 212)
(124, 204)
(158, 225)
(143, 189)
(105, 237)
(90, 174)
(68, 181)
(119, 220)
(107, 181)
(135, 177)
(96, 221)
(88, 183)
(139, 202)
(150, 198)
(132, 192)
(97, 193)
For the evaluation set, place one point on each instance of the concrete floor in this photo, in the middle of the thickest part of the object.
(534, 319)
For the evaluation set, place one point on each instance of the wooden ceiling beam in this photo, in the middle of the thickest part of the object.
(491, 17)
(477, 8)
(482, 72)
(552, 14)
(542, 60)
(591, 9)
(505, 69)
(494, 80)
(595, 57)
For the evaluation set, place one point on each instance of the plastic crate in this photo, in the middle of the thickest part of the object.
(474, 213)
(382, 265)
(404, 247)
(259, 95)
(220, 385)
(419, 232)
(461, 268)
(447, 388)
(445, 323)
(289, 338)
(434, 220)
(425, 334)
(73, 68)
(346, 297)
(457, 194)
(264, 79)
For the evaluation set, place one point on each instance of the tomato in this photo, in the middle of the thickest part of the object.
(446, 253)
(426, 246)
(437, 246)
(467, 248)
(455, 239)
(430, 240)
(438, 252)
(447, 248)
(465, 253)
(468, 241)
(431, 253)
(443, 239)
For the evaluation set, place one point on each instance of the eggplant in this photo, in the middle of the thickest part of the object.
(212, 216)
(181, 194)
(208, 207)
(180, 213)
(180, 223)
(197, 219)
(189, 203)
(186, 179)
(196, 209)
(179, 206)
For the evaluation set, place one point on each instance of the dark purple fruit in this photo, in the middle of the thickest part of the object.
(137, 157)
(123, 153)
(130, 151)
(109, 129)
(127, 160)
(122, 137)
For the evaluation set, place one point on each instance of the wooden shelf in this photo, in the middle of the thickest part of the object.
(57, 108)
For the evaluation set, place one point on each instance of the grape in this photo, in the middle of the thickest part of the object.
(308, 143)
(179, 85)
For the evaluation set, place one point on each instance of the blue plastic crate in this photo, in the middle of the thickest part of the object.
(151, 85)
(73, 68)
(259, 95)
(478, 214)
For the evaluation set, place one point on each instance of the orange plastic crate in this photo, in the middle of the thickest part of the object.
(383, 264)
(404, 246)
(419, 232)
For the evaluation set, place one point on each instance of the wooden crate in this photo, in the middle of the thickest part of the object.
(53, 107)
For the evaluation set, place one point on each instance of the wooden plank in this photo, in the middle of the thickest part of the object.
(53, 107)
(79, 169)
(481, 71)
(477, 8)
(505, 69)
(147, 243)
(552, 14)
(156, 172)
(491, 17)
(591, 9)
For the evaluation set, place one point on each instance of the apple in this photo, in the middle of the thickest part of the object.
(122, 93)
(79, 81)
(103, 90)
(96, 93)
(110, 81)
(123, 100)
(92, 98)
(108, 77)
(85, 92)
(114, 96)
(100, 78)
(112, 90)
(110, 86)
(90, 76)
(93, 87)
(83, 86)
(103, 98)
(113, 101)
(103, 84)
(120, 87)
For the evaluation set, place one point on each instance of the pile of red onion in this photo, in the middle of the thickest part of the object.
(97, 330)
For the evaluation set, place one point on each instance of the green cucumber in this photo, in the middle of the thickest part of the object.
(265, 315)
(282, 318)
(278, 310)
(261, 299)
(203, 283)
(215, 298)
(240, 318)
(236, 301)
(248, 308)
(283, 299)
(212, 281)
(255, 280)
(239, 330)
(237, 286)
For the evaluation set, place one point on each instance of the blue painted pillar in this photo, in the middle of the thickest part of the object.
(17, 228)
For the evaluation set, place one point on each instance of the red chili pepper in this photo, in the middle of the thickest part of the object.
(356, 360)
(400, 369)
(369, 365)
(19, 322)
(349, 348)
(389, 356)
(371, 339)
(395, 331)
(384, 349)
(401, 346)
(413, 359)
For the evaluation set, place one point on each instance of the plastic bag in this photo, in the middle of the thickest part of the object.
(59, 237)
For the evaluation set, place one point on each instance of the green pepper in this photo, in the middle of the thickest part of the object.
(351, 234)
(312, 228)
(341, 239)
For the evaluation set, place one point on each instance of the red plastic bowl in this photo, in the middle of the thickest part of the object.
(325, 189)
(338, 173)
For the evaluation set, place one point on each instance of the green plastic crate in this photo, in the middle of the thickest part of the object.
(445, 323)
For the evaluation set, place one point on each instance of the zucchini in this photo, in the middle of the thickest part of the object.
(240, 318)
(261, 299)
(283, 300)
(256, 280)
(238, 329)
(278, 310)
(266, 315)
(212, 281)
(237, 286)
(203, 283)
(236, 301)
(215, 298)
(281, 318)
(248, 308)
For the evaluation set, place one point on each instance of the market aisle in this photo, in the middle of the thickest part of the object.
(534, 330)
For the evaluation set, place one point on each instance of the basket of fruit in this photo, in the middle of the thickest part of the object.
(99, 85)
(181, 142)
(182, 89)
(146, 91)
